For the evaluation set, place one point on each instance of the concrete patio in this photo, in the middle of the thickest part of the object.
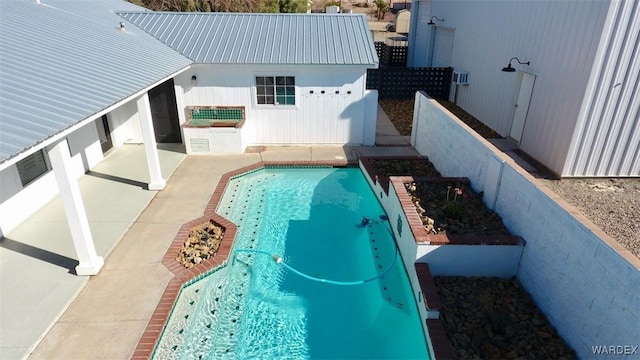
(49, 312)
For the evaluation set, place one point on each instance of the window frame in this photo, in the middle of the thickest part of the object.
(273, 89)
(24, 180)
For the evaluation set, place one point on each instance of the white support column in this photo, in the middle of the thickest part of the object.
(90, 262)
(180, 104)
(150, 146)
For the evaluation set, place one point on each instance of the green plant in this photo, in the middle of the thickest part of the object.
(455, 207)
(381, 8)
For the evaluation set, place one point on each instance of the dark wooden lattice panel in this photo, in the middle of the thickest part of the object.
(373, 79)
(397, 55)
(434, 81)
(379, 46)
(402, 83)
(397, 83)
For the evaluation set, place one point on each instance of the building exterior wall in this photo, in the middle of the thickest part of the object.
(419, 33)
(316, 118)
(125, 124)
(556, 37)
(84, 147)
(607, 137)
(582, 280)
(18, 202)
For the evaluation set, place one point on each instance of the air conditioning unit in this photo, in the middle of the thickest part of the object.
(460, 77)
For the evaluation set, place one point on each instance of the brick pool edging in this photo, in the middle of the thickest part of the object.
(182, 275)
(420, 233)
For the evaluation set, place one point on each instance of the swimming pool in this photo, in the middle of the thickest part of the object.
(307, 279)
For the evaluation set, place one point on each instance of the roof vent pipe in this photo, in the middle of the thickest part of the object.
(122, 26)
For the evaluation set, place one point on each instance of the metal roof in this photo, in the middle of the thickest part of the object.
(62, 61)
(233, 38)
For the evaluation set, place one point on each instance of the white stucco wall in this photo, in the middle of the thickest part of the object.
(316, 118)
(471, 260)
(583, 281)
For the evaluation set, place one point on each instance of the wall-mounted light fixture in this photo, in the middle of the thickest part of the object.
(509, 68)
(194, 80)
(122, 26)
(434, 18)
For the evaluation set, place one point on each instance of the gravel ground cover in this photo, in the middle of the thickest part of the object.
(488, 318)
(612, 204)
(404, 167)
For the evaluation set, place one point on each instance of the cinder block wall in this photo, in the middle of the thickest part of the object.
(584, 281)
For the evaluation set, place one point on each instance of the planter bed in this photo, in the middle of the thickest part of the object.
(381, 168)
(422, 191)
(489, 318)
(449, 205)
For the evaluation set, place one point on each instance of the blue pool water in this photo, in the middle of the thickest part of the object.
(313, 302)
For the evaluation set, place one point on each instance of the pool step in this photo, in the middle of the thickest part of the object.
(391, 284)
(192, 304)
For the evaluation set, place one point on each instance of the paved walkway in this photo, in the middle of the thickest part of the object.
(386, 133)
(37, 259)
(51, 313)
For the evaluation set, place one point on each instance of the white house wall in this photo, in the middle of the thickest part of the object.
(84, 147)
(17, 203)
(556, 36)
(418, 33)
(607, 137)
(125, 125)
(316, 118)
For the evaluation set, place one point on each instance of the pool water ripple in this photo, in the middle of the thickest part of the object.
(252, 308)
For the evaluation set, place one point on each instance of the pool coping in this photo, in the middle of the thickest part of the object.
(440, 344)
(182, 276)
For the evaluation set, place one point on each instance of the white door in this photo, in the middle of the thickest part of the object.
(522, 105)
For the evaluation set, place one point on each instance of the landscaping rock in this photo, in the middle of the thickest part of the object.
(454, 208)
(488, 318)
(203, 242)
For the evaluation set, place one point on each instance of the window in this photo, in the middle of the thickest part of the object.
(275, 90)
(31, 167)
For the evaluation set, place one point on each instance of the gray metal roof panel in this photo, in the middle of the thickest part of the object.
(63, 61)
(234, 38)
